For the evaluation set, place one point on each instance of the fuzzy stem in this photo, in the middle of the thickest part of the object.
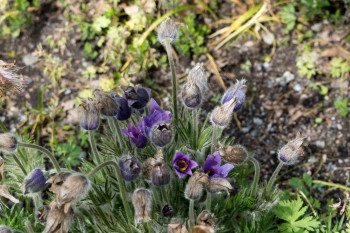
(97, 158)
(256, 175)
(195, 127)
(38, 202)
(116, 126)
(120, 182)
(214, 138)
(44, 151)
(173, 74)
(273, 178)
(29, 227)
(20, 164)
(208, 202)
(191, 214)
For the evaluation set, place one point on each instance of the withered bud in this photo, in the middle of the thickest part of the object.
(291, 151)
(191, 95)
(8, 143)
(5, 229)
(216, 185)
(176, 226)
(202, 229)
(105, 103)
(161, 134)
(129, 167)
(160, 173)
(194, 187)
(236, 154)
(41, 214)
(167, 30)
(58, 220)
(167, 210)
(149, 164)
(90, 115)
(9, 79)
(198, 76)
(57, 180)
(141, 199)
(206, 219)
(221, 115)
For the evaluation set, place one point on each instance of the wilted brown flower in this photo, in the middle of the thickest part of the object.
(202, 229)
(57, 180)
(141, 199)
(58, 220)
(216, 185)
(194, 187)
(291, 151)
(221, 115)
(176, 226)
(9, 79)
(236, 154)
(206, 219)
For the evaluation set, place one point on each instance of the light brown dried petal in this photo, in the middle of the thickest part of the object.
(202, 229)
(57, 181)
(219, 184)
(206, 219)
(194, 187)
(4, 192)
(57, 220)
(176, 226)
(2, 165)
(222, 115)
(236, 154)
(141, 199)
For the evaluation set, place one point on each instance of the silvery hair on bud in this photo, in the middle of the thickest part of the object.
(167, 30)
(198, 76)
(191, 94)
(8, 143)
(222, 115)
(141, 200)
(194, 187)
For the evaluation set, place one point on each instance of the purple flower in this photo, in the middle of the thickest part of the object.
(137, 96)
(34, 181)
(212, 166)
(238, 90)
(183, 165)
(156, 115)
(124, 111)
(136, 135)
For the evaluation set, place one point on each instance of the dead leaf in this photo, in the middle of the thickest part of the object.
(4, 192)
(336, 51)
(2, 165)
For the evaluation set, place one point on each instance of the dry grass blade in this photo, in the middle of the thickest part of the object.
(216, 71)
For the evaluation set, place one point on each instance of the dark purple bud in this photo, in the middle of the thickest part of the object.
(8, 143)
(191, 95)
(129, 167)
(34, 182)
(160, 174)
(167, 210)
(238, 91)
(136, 135)
(90, 118)
(137, 96)
(41, 214)
(161, 134)
(105, 103)
(124, 112)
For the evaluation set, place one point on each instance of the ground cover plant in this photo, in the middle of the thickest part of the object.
(160, 143)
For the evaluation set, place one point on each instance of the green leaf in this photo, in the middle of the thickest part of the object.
(342, 106)
(307, 179)
(100, 23)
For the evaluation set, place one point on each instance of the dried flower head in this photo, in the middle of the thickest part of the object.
(176, 226)
(289, 153)
(216, 185)
(198, 76)
(191, 95)
(194, 187)
(160, 174)
(129, 167)
(167, 30)
(167, 210)
(205, 218)
(41, 214)
(221, 115)
(147, 167)
(8, 143)
(5, 229)
(236, 154)
(9, 79)
(57, 181)
(105, 103)
(90, 116)
(237, 91)
(34, 181)
(58, 220)
(141, 199)
(137, 96)
(161, 134)
(202, 229)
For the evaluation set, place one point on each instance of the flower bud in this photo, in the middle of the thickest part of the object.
(160, 173)
(57, 181)
(202, 229)
(34, 182)
(167, 30)
(124, 111)
(41, 214)
(236, 154)
(167, 210)
(289, 153)
(137, 96)
(105, 103)
(194, 187)
(198, 76)
(141, 199)
(129, 167)
(191, 95)
(221, 116)
(161, 134)
(206, 219)
(8, 143)
(136, 135)
(5, 229)
(237, 91)
(90, 118)
(176, 226)
(58, 218)
(216, 185)
(9, 79)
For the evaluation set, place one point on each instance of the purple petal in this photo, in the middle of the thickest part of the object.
(212, 162)
(224, 170)
(180, 174)
(193, 164)
(154, 106)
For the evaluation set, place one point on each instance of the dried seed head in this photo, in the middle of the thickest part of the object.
(9, 79)
(194, 187)
(147, 167)
(176, 226)
(221, 115)
(57, 181)
(41, 214)
(141, 199)
(5, 229)
(160, 173)
(167, 30)
(202, 229)
(129, 167)
(219, 184)
(90, 116)
(8, 143)
(167, 210)
(58, 220)
(191, 95)
(289, 153)
(105, 103)
(236, 154)
(161, 134)
(237, 91)
(206, 219)
(34, 182)
(198, 76)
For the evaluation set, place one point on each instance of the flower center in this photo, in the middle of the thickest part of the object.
(210, 172)
(182, 164)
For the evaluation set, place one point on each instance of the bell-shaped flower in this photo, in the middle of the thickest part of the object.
(136, 135)
(213, 168)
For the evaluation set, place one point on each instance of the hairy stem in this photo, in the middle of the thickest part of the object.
(256, 175)
(19, 164)
(214, 138)
(273, 178)
(44, 151)
(97, 159)
(191, 214)
(195, 127)
(119, 134)
(29, 227)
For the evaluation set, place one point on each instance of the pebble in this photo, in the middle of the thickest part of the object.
(320, 144)
(245, 129)
(266, 65)
(316, 27)
(29, 60)
(254, 133)
(297, 87)
(67, 92)
(285, 79)
(272, 152)
(268, 38)
(257, 121)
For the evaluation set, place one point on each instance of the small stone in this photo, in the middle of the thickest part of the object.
(245, 129)
(297, 87)
(257, 121)
(254, 133)
(320, 144)
(316, 27)
(272, 152)
(268, 38)
(285, 79)
(29, 59)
